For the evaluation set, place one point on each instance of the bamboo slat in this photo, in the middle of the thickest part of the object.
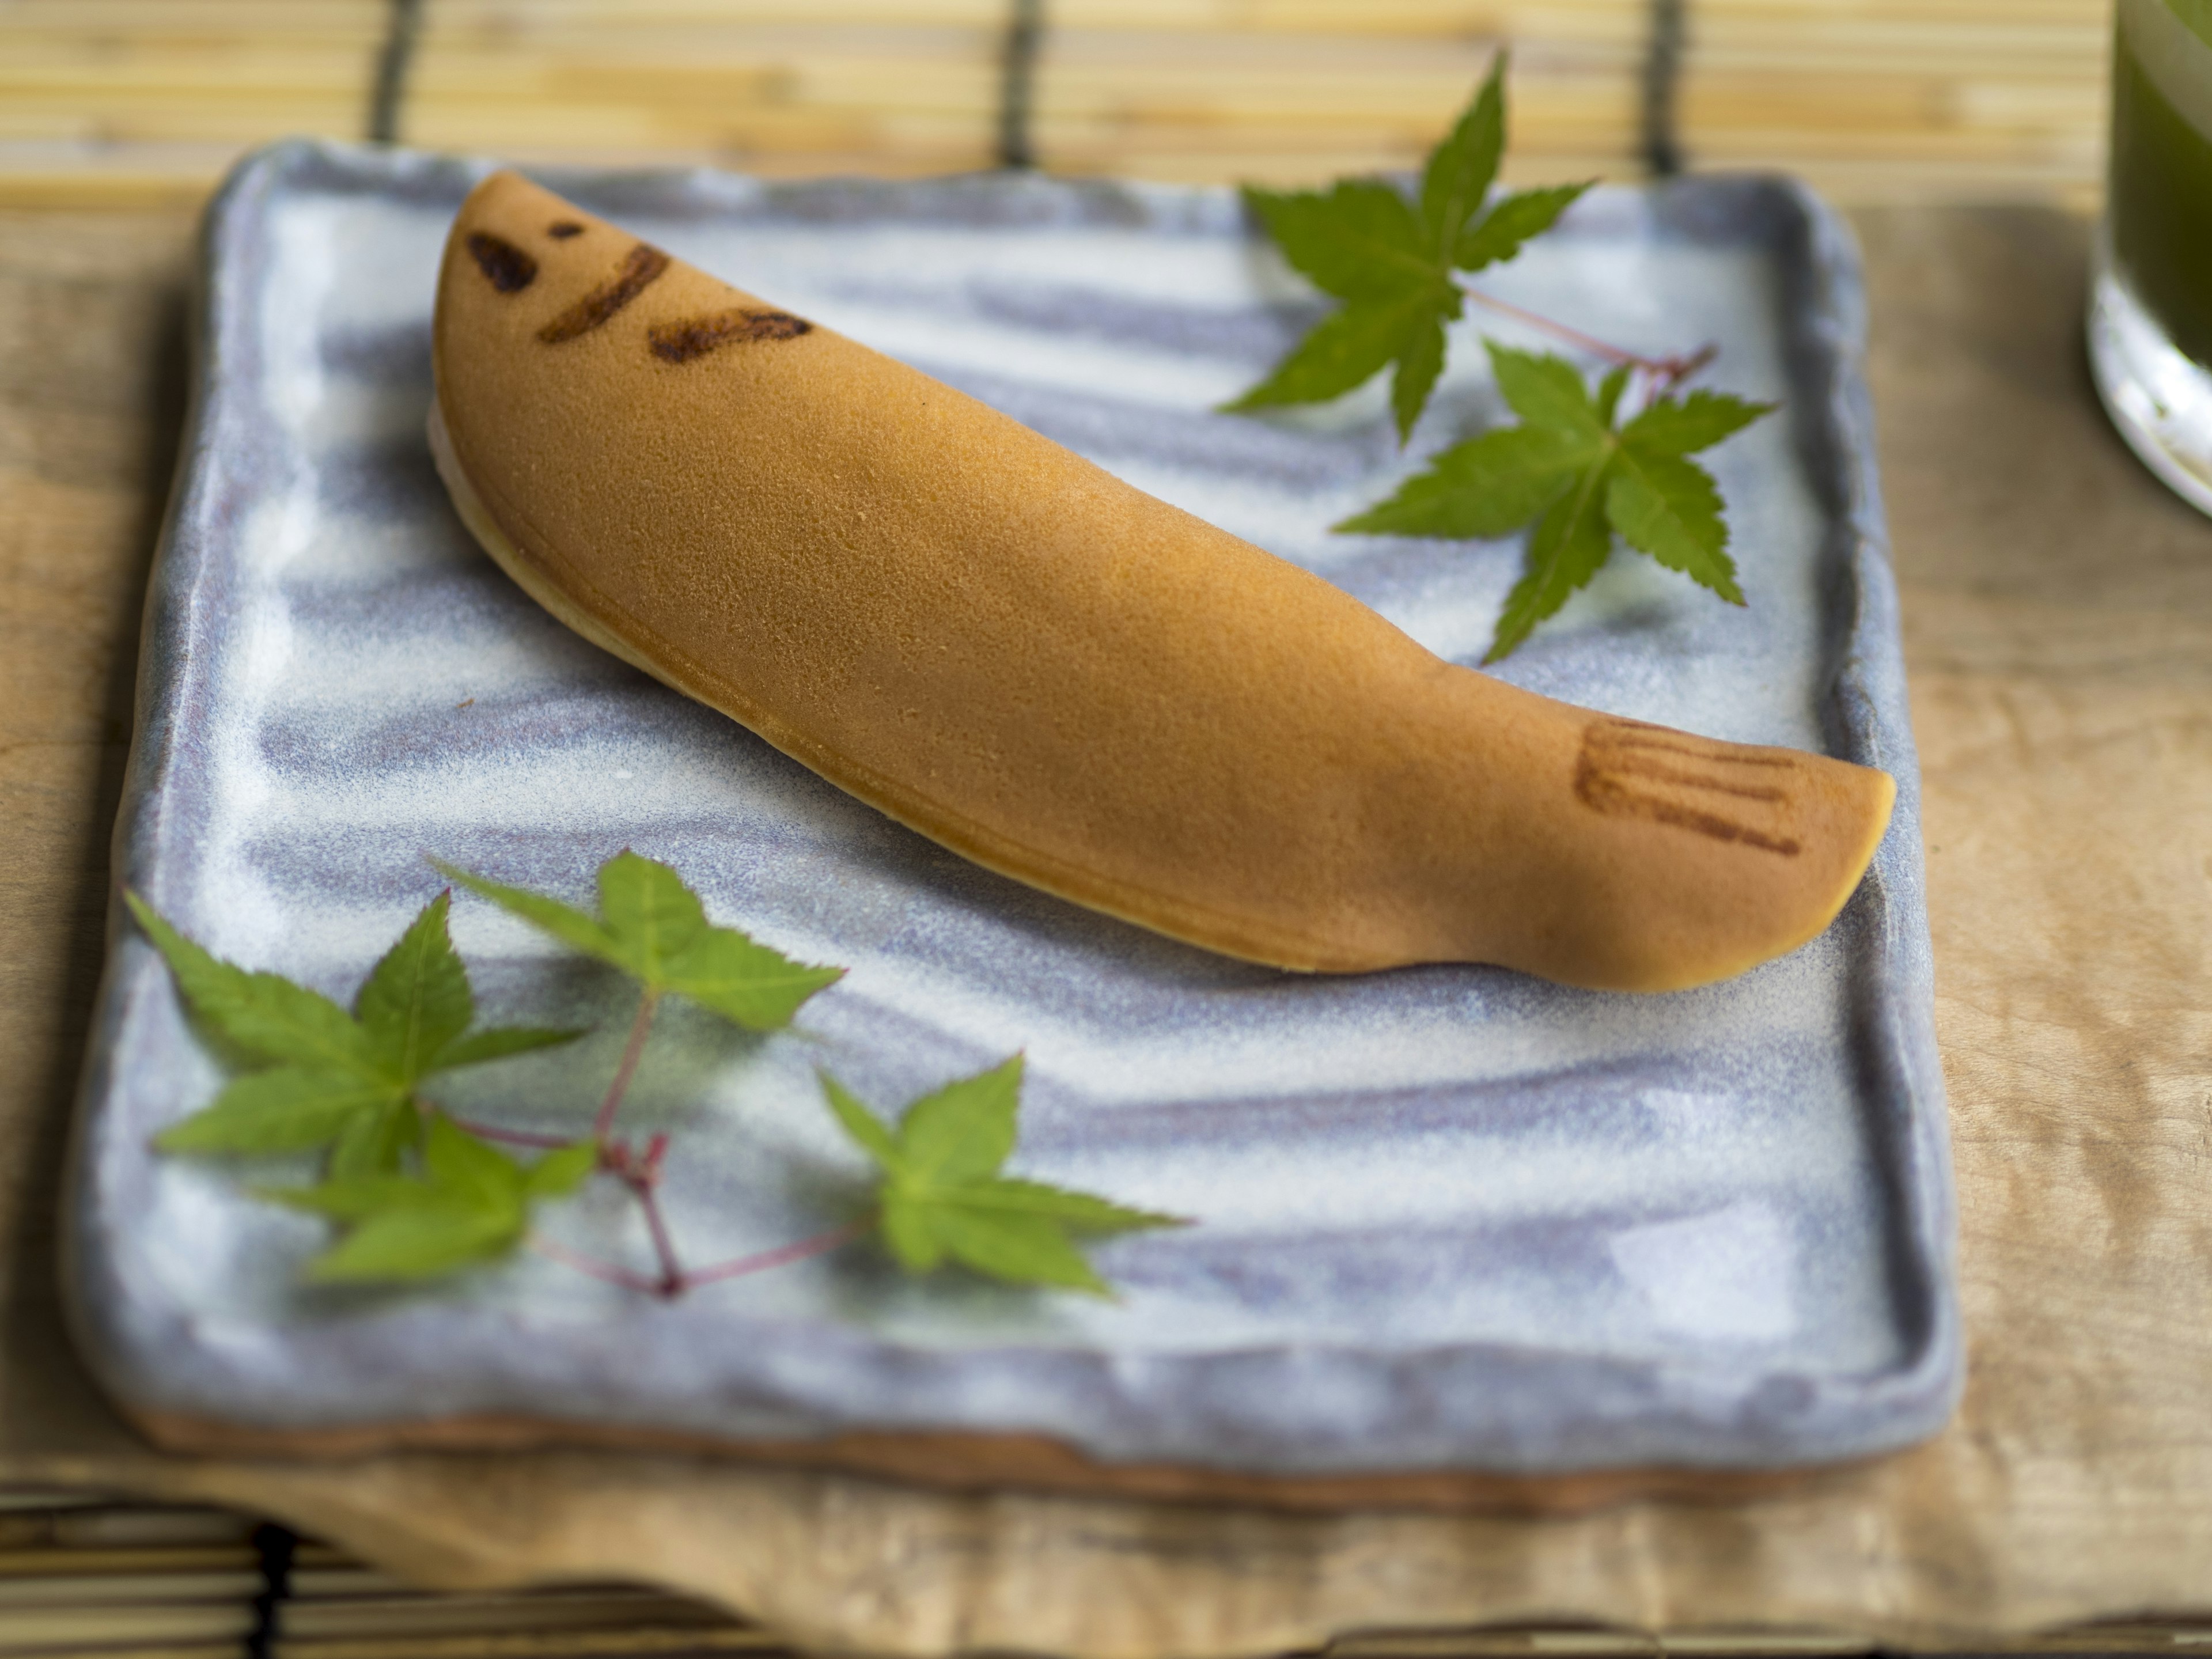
(78, 1590)
(40, 1632)
(677, 1642)
(52, 1521)
(335, 1608)
(20, 1566)
(130, 100)
(124, 1581)
(417, 1614)
(87, 1579)
(1296, 91)
(1896, 100)
(116, 101)
(1871, 99)
(770, 85)
(25, 1597)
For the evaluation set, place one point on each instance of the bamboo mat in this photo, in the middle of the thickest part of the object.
(2058, 613)
(141, 101)
(76, 1575)
(83, 1577)
(1898, 100)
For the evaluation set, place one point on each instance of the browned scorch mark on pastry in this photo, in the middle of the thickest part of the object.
(1629, 769)
(679, 343)
(638, 268)
(510, 269)
(561, 229)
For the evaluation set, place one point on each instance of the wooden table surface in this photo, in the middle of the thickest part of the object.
(2059, 628)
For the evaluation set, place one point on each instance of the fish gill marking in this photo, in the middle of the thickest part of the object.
(1631, 765)
(694, 336)
(1660, 739)
(510, 269)
(640, 268)
(1608, 769)
(561, 229)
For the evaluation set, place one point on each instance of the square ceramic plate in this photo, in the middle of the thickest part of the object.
(1449, 1218)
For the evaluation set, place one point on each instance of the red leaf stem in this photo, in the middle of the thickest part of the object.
(820, 1244)
(640, 1174)
(631, 1052)
(673, 1276)
(597, 1269)
(1668, 372)
(1679, 369)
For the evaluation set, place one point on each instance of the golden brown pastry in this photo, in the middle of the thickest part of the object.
(1062, 677)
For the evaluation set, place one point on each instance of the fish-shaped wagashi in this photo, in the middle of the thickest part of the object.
(1060, 676)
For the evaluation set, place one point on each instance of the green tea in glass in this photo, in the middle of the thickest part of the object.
(2150, 312)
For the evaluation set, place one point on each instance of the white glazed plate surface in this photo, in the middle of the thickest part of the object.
(1449, 1218)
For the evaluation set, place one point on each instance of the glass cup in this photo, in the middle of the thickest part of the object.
(2150, 306)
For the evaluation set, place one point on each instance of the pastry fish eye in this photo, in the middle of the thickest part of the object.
(561, 229)
(509, 268)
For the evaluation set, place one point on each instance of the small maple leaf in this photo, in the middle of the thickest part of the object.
(471, 1204)
(653, 928)
(1391, 262)
(1582, 474)
(942, 1197)
(316, 1076)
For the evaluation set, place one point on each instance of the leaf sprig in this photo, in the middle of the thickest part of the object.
(314, 1076)
(942, 1195)
(417, 1193)
(1583, 466)
(471, 1204)
(653, 928)
(1582, 473)
(1392, 261)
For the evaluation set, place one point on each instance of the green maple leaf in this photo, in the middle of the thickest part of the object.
(471, 1203)
(942, 1197)
(1391, 262)
(316, 1076)
(653, 927)
(1574, 467)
